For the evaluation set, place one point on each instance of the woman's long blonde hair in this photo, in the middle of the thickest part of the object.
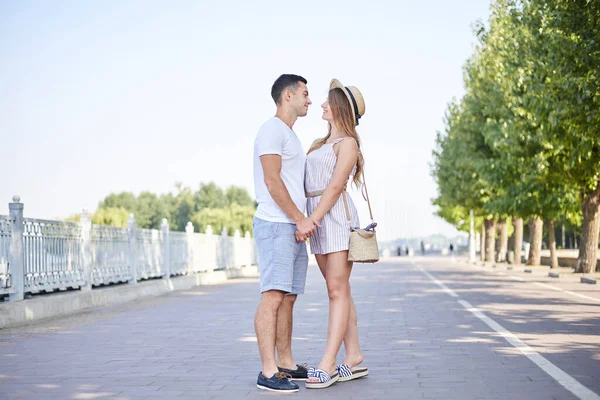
(344, 118)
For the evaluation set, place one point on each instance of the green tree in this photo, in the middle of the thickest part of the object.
(565, 40)
(183, 209)
(150, 211)
(238, 195)
(125, 200)
(458, 186)
(241, 217)
(110, 216)
(209, 196)
(209, 205)
(506, 94)
(231, 218)
(549, 54)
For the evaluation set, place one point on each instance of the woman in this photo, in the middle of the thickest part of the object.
(330, 163)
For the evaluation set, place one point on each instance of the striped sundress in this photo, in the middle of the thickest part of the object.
(334, 233)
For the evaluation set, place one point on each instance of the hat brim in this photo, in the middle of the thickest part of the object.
(335, 84)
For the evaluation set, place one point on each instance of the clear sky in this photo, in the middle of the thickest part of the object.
(109, 96)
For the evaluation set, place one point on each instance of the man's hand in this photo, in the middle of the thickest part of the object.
(306, 228)
(300, 238)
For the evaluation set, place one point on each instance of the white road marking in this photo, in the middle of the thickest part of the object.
(440, 284)
(518, 278)
(583, 296)
(564, 379)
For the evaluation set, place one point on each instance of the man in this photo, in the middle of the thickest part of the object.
(279, 186)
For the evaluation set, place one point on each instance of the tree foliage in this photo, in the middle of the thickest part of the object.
(209, 205)
(524, 140)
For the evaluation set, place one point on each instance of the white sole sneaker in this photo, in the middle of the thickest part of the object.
(276, 390)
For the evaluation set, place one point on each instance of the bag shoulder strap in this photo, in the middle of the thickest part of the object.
(365, 195)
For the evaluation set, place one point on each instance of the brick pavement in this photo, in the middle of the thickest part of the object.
(418, 342)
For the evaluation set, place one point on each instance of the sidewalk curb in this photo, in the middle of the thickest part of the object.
(59, 304)
(587, 280)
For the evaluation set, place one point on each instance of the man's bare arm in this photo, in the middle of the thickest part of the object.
(271, 165)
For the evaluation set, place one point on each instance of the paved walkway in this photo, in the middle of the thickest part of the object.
(420, 323)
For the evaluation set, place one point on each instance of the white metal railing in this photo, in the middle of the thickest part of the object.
(5, 237)
(44, 256)
(149, 253)
(203, 251)
(110, 255)
(178, 253)
(52, 255)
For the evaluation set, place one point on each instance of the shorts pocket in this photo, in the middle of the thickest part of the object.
(275, 228)
(262, 230)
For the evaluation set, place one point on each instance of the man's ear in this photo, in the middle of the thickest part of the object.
(287, 94)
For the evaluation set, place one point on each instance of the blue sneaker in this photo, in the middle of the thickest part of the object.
(279, 382)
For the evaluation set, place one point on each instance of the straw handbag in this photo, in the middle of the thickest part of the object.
(363, 244)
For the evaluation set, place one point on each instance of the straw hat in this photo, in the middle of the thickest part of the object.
(357, 102)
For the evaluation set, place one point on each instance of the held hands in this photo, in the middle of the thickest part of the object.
(306, 228)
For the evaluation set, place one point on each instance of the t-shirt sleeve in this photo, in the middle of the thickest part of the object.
(270, 140)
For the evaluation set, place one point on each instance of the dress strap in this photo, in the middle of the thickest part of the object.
(342, 138)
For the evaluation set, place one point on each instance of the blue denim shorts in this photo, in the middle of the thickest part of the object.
(282, 262)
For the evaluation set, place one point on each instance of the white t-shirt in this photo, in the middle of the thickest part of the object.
(275, 137)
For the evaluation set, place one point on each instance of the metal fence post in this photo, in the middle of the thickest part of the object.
(224, 249)
(236, 259)
(16, 261)
(189, 230)
(85, 220)
(132, 233)
(166, 249)
(213, 254)
(248, 249)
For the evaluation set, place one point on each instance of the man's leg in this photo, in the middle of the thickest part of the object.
(265, 325)
(284, 332)
(286, 311)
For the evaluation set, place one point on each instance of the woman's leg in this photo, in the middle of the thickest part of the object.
(337, 277)
(322, 263)
(351, 344)
(353, 354)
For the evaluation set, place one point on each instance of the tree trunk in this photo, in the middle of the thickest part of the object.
(502, 245)
(586, 262)
(490, 232)
(518, 224)
(562, 242)
(482, 250)
(576, 245)
(471, 237)
(535, 251)
(552, 236)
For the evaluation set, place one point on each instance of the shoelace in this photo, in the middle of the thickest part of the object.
(282, 375)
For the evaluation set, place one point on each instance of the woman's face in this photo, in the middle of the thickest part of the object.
(327, 115)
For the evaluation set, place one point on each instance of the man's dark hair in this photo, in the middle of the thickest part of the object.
(285, 81)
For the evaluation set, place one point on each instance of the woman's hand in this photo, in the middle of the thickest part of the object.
(315, 220)
(302, 238)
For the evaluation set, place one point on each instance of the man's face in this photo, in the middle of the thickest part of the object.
(300, 100)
